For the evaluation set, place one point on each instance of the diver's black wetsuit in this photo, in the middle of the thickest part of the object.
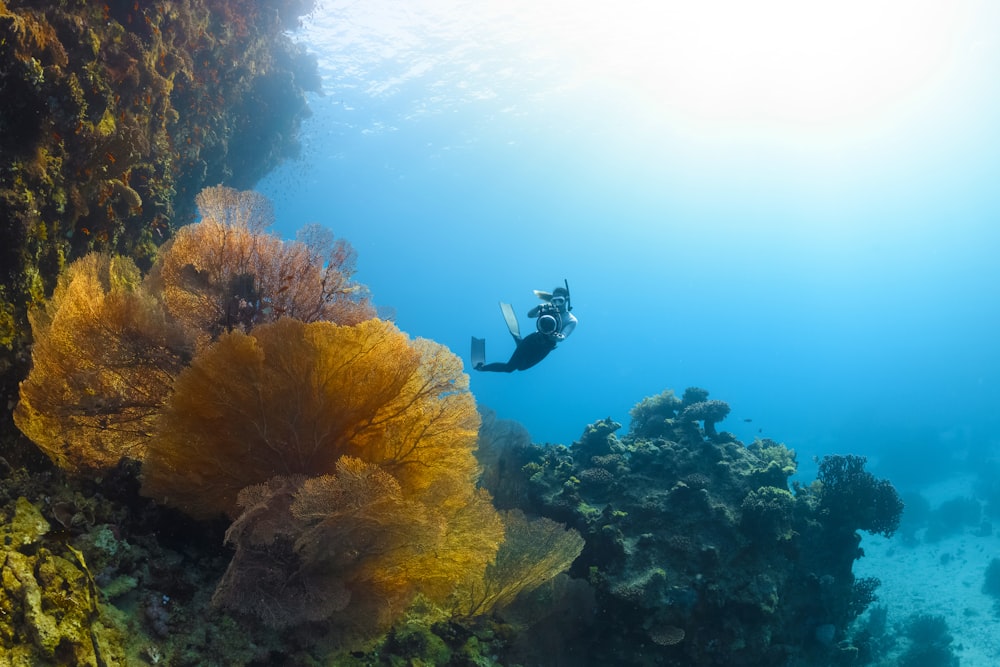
(529, 351)
(553, 322)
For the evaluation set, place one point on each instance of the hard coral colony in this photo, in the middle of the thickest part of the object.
(696, 549)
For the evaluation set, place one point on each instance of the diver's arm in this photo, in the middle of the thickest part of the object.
(568, 326)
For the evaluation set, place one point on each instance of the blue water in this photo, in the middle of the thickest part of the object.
(832, 276)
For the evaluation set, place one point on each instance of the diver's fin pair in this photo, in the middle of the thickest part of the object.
(511, 319)
(478, 355)
(478, 351)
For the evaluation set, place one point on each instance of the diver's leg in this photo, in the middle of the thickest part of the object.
(530, 351)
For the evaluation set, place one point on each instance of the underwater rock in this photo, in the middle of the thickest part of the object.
(26, 528)
(50, 613)
(991, 580)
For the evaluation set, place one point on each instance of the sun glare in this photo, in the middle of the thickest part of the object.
(802, 61)
(806, 62)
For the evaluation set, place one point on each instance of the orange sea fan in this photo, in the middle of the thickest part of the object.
(349, 549)
(292, 398)
(344, 454)
(103, 361)
(533, 552)
(226, 273)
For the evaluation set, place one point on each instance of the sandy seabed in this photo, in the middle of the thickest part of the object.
(943, 578)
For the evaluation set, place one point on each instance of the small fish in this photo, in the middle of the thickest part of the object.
(747, 420)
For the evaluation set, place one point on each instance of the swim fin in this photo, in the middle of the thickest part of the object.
(478, 351)
(511, 319)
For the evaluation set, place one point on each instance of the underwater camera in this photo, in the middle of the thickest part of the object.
(549, 320)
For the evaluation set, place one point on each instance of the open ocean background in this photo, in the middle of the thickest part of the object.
(800, 214)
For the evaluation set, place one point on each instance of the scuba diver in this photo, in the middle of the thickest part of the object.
(554, 323)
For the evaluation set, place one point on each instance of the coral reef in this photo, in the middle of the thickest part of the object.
(684, 548)
(342, 453)
(930, 643)
(355, 508)
(111, 579)
(262, 472)
(696, 547)
(114, 115)
(372, 436)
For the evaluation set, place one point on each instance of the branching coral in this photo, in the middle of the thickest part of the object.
(652, 416)
(852, 497)
(104, 360)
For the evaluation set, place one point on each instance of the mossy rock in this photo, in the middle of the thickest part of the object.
(48, 611)
(25, 528)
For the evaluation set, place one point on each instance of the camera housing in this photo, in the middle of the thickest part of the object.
(549, 321)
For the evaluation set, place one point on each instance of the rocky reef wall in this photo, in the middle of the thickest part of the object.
(113, 116)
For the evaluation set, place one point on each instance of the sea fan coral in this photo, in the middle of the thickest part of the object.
(108, 345)
(226, 273)
(104, 359)
(348, 549)
(371, 437)
(532, 553)
(292, 398)
(310, 548)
